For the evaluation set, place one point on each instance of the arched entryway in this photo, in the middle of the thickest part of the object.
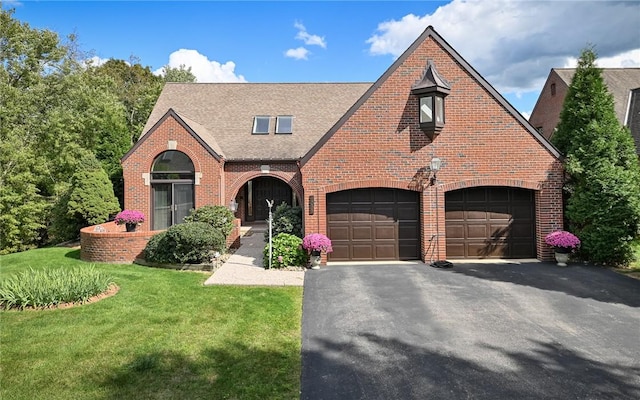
(172, 189)
(256, 193)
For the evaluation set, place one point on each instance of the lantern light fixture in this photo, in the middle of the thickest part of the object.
(431, 91)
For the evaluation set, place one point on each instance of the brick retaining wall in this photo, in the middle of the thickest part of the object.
(111, 243)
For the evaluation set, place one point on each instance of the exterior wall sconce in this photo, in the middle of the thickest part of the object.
(233, 205)
(312, 203)
(431, 91)
(436, 163)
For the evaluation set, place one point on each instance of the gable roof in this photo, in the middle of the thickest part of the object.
(431, 33)
(619, 81)
(222, 114)
(197, 131)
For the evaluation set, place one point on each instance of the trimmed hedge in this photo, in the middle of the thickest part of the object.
(188, 243)
(219, 217)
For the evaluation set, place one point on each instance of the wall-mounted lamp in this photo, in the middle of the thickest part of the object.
(431, 91)
(312, 203)
(233, 205)
(436, 163)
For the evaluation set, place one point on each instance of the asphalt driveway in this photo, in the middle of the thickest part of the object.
(476, 331)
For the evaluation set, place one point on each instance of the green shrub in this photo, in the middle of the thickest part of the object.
(191, 242)
(49, 287)
(156, 249)
(286, 219)
(287, 252)
(219, 217)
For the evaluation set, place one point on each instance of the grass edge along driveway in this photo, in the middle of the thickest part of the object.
(164, 335)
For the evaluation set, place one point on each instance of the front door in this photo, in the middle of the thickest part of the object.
(171, 203)
(263, 189)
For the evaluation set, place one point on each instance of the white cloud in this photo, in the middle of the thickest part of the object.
(203, 69)
(514, 44)
(307, 38)
(299, 54)
(96, 61)
(628, 59)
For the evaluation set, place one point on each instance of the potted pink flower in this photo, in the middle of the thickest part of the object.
(130, 218)
(316, 244)
(563, 243)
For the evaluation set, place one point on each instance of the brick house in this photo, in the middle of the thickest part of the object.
(623, 84)
(358, 157)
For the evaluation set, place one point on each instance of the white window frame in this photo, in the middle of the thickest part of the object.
(255, 130)
(279, 118)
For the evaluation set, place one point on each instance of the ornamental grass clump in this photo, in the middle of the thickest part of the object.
(51, 287)
(129, 217)
(317, 242)
(562, 241)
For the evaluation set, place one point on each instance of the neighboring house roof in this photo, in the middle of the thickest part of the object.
(619, 81)
(222, 114)
(622, 83)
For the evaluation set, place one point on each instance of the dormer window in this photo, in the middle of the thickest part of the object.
(431, 91)
(261, 124)
(284, 124)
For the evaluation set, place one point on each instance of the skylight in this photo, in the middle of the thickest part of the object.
(284, 124)
(261, 125)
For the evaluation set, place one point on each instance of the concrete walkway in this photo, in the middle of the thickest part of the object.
(245, 266)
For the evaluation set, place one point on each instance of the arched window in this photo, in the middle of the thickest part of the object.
(172, 184)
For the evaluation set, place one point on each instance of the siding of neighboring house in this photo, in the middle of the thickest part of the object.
(633, 117)
(546, 114)
(622, 83)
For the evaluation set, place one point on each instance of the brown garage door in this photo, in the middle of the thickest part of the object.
(490, 222)
(373, 224)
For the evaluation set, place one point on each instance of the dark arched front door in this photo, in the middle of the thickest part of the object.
(262, 189)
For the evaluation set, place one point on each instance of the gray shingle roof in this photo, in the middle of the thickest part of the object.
(619, 81)
(222, 114)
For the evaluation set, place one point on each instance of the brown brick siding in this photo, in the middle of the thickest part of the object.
(381, 145)
(113, 246)
(137, 196)
(546, 113)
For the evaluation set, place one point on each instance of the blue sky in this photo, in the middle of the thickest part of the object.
(513, 44)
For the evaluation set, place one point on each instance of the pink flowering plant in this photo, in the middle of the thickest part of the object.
(129, 217)
(563, 240)
(317, 242)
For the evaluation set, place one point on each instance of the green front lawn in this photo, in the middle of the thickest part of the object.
(163, 336)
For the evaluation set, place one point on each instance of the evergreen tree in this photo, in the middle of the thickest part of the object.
(89, 200)
(603, 207)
